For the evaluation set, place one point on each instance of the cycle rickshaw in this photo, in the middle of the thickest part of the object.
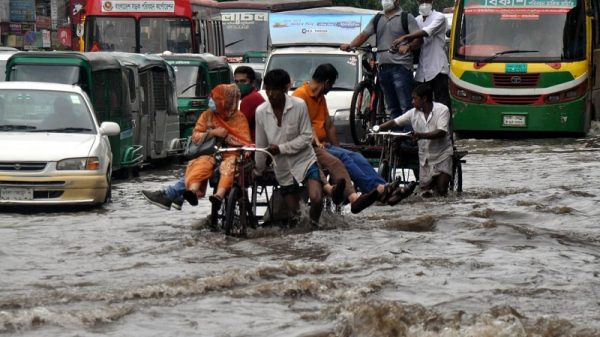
(396, 161)
(250, 195)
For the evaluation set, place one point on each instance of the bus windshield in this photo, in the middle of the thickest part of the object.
(245, 31)
(160, 34)
(64, 74)
(301, 67)
(112, 34)
(526, 34)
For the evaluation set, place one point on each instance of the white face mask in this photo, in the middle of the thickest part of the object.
(425, 9)
(387, 4)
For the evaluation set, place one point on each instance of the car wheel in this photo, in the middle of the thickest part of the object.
(108, 197)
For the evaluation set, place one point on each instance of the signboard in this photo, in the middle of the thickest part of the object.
(148, 6)
(65, 36)
(22, 10)
(521, 3)
(315, 28)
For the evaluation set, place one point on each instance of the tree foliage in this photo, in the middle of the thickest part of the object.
(411, 6)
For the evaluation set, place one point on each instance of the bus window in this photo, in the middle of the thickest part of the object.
(111, 34)
(161, 34)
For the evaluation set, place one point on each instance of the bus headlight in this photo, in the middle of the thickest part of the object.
(465, 95)
(567, 95)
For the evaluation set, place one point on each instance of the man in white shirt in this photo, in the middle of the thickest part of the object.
(284, 128)
(430, 120)
(433, 66)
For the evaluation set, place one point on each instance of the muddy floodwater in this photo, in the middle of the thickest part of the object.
(517, 254)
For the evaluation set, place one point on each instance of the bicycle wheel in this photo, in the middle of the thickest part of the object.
(235, 213)
(456, 180)
(361, 116)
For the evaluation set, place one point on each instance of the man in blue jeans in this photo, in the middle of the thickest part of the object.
(362, 173)
(395, 69)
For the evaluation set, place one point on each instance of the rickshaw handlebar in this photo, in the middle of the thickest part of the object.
(390, 133)
(246, 149)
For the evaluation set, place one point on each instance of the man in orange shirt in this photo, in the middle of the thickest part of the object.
(340, 162)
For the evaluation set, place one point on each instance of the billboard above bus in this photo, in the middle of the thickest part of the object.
(315, 29)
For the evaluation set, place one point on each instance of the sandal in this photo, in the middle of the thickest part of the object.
(190, 197)
(215, 200)
(387, 193)
(365, 200)
(402, 193)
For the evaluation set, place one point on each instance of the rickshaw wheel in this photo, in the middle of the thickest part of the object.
(456, 180)
(235, 213)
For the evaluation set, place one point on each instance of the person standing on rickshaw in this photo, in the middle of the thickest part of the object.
(430, 121)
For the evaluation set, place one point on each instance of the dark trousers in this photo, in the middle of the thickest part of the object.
(439, 85)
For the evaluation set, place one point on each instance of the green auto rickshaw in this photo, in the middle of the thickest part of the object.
(157, 119)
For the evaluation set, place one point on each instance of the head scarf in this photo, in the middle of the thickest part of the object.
(227, 98)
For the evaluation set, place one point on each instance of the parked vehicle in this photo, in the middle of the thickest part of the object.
(108, 81)
(52, 150)
(196, 76)
(154, 106)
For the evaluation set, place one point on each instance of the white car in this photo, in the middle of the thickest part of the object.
(52, 150)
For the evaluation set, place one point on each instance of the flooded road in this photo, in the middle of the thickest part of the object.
(517, 254)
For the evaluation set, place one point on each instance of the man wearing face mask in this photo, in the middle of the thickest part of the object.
(433, 62)
(395, 69)
(245, 77)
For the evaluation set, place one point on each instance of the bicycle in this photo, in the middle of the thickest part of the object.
(238, 211)
(367, 107)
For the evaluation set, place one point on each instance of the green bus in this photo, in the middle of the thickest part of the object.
(523, 66)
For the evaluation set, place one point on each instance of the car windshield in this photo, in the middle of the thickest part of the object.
(301, 67)
(44, 111)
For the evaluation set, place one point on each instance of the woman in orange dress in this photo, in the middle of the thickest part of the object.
(225, 121)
